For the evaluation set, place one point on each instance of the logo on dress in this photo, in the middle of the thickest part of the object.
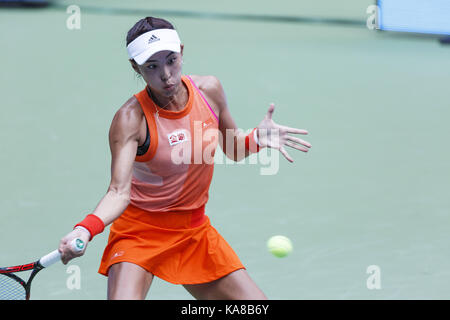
(207, 123)
(177, 137)
(117, 254)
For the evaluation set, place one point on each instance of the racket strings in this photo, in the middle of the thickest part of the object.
(10, 289)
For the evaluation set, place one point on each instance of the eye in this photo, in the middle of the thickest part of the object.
(151, 66)
(172, 60)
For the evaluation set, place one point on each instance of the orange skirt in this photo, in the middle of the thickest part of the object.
(179, 247)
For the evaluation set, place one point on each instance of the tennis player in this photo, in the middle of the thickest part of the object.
(156, 206)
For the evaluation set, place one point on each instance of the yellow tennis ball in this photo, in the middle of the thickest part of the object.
(279, 246)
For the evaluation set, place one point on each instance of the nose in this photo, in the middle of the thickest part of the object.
(165, 74)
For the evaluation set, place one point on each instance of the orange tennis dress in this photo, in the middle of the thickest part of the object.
(164, 229)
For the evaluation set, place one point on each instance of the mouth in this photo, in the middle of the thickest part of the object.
(169, 87)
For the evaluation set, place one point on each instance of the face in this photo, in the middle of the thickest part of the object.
(162, 72)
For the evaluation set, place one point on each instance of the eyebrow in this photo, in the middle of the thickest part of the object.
(148, 61)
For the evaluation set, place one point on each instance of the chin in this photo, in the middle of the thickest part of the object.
(172, 91)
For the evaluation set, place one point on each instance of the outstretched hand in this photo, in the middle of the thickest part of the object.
(273, 135)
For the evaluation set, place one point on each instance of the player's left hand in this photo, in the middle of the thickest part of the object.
(273, 135)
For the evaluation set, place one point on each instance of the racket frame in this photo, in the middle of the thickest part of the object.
(47, 260)
(10, 272)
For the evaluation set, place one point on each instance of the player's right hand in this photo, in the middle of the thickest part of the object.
(65, 247)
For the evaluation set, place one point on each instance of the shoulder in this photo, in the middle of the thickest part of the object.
(127, 120)
(208, 83)
(212, 89)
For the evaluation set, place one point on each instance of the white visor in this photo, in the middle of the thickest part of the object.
(149, 43)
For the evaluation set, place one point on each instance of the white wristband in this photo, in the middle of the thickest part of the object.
(255, 137)
(83, 228)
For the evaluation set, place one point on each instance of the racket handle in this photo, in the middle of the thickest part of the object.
(55, 256)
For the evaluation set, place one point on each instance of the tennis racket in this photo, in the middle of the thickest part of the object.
(14, 288)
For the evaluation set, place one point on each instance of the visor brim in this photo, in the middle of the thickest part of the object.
(155, 48)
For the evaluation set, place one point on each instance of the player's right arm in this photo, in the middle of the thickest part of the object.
(123, 140)
(124, 137)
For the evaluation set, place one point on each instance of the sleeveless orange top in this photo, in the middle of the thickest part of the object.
(176, 171)
(164, 229)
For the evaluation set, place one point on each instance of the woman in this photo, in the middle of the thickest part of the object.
(155, 201)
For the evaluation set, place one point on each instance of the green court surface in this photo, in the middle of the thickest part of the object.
(373, 190)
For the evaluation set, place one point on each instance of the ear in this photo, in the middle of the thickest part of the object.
(182, 47)
(135, 66)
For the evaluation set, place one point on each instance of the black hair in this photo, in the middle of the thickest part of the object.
(145, 25)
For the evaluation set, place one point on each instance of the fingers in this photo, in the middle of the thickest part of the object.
(299, 141)
(294, 143)
(296, 146)
(68, 253)
(64, 258)
(286, 155)
(270, 111)
(62, 249)
(66, 248)
(64, 254)
(293, 130)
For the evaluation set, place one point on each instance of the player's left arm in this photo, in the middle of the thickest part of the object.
(269, 133)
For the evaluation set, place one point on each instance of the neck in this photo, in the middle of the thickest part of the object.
(173, 103)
